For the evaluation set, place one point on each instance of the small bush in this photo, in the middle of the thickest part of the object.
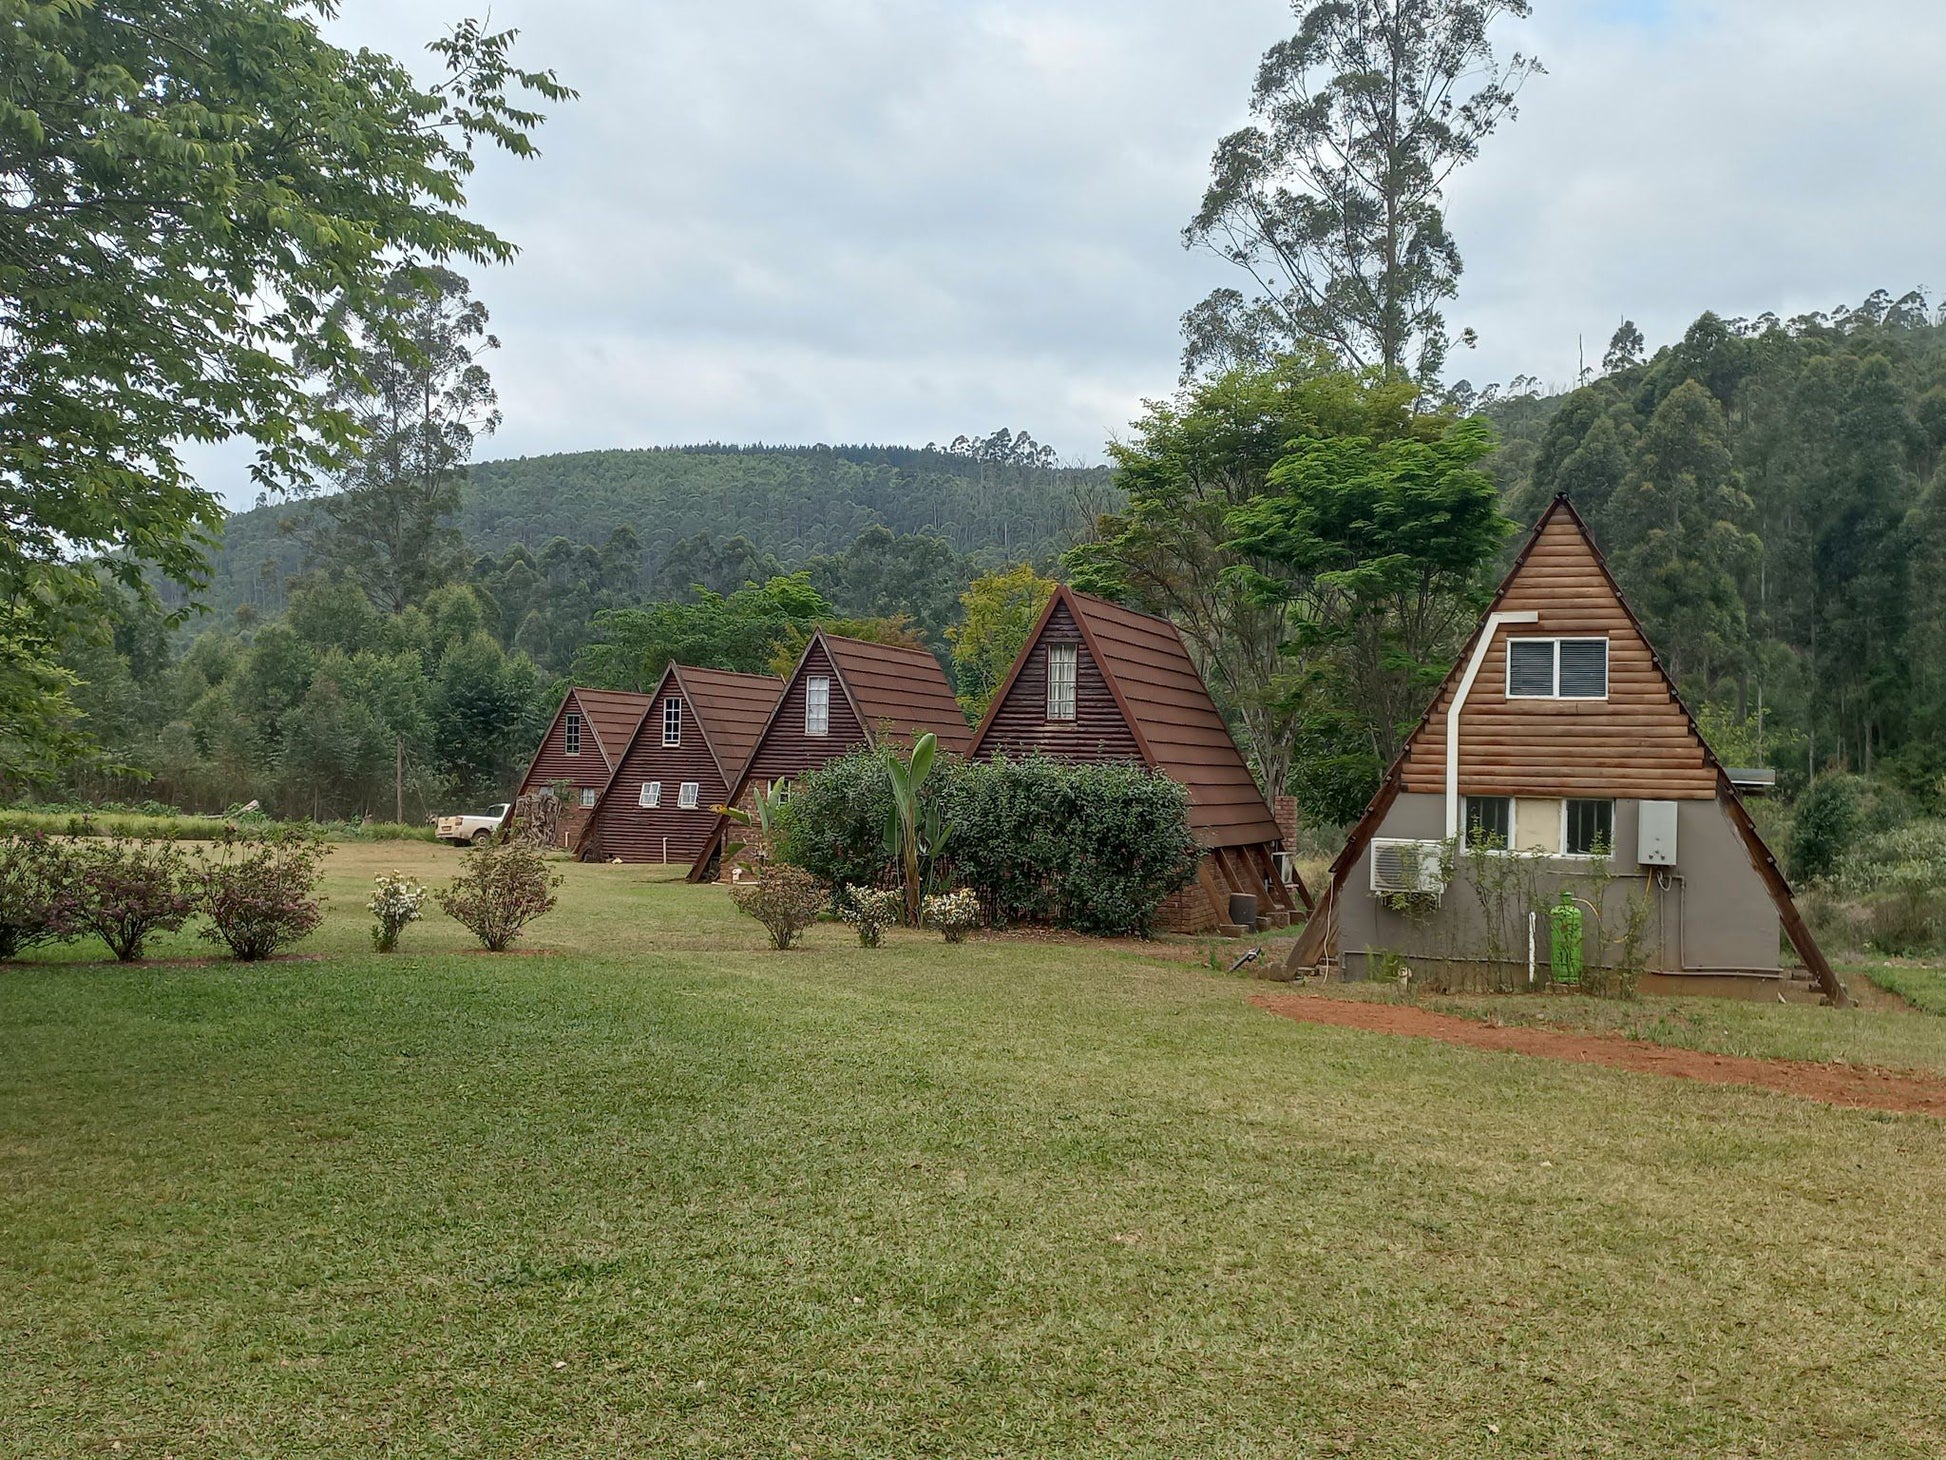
(871, 912)
(498, 892)
(128, 891)
(786, 900)
(833, 824)
(954, 913)
(259, 890)
(38, 894)
(395, 904)
(1889, 893)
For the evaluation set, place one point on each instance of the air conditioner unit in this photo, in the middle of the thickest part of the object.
(1286, 867)
(1402, 866)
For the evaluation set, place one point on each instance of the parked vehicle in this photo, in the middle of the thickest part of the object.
(479, 830)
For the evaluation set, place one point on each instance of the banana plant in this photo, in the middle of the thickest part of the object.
(769, 802)
(915, 834)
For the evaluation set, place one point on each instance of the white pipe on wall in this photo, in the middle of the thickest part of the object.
(1493, 625)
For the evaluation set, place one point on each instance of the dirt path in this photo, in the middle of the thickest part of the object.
(1863, 1089)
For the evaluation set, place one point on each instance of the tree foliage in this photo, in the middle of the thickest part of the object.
(999, 610)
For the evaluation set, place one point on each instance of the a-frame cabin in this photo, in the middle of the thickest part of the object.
(1099, 682)
(844, 693)
(680, 763)
(1558, 735)
(583, 744)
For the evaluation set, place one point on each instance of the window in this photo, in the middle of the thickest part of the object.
(1557, 669)
(1490, 822)
(686, 797)
(1590, 828)
(571, 732)
(672, 722)
(588, 796)
(651, 795)
(817, 705)
(1060, 681)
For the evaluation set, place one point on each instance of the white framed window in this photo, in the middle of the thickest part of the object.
(672, 722)
(1489, 823)
(1588, 828)
(817, 705)
(571, 732)
(1061, 663)
(589, 795)
(651, 796)
(1557, 669)
(686, 795)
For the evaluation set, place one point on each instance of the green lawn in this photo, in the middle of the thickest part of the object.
(661, 1193)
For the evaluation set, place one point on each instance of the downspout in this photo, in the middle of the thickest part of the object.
(1494, 621)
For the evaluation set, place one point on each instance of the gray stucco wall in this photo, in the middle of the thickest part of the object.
(1711, 913)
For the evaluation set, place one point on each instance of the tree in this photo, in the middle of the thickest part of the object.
(1624, 349)
(196, 192)
(418, 401)
(883, 576)
(742, 631)
(1000, 610)
(1333, 200)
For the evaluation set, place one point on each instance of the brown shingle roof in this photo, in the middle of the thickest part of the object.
(613, 715)
(732, 710)
(900, 689)
(1175, 721)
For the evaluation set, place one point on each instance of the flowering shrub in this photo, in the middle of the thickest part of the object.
(954, 913)
(128, 891)
(786, 900)
(870, 912)
(38, 894)
(259, 890)
(499, 891)
(396, 903)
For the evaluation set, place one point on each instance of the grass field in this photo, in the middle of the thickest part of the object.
(653, 1191)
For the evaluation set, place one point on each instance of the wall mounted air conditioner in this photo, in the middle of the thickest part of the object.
(1286, 867)
(1403, 866)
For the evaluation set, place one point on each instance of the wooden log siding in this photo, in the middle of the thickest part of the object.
(1020, 727)
(608, 719)
(786, 750)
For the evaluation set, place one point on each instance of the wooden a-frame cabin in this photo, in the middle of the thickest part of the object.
(582, 746)
(1559, 737)
(678, 765)
(1099, 682)
(844, 693)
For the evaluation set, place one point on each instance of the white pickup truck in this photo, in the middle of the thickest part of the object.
(479, 830)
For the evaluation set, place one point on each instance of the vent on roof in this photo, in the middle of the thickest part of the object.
(1402, 866)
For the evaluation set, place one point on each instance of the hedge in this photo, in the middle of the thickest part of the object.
(186, 827)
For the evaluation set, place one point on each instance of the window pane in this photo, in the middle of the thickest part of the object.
(652, 794)
(1530, 668)
(1490, 821)
(817, 706)
(642, 799)
(672, 722)
(571, 733)
(588, 794)
(1060, 681)
(686, 797)
(1584, 669)
(1591, 827)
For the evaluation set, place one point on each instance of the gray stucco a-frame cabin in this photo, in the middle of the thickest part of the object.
(1559, 744)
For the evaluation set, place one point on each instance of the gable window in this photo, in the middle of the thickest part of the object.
(651, 795)
(1061, 660)
(1489, 822)
(588, 797)
(686, 796)
(1557, 669)
(817, 705)
(1590, 829)
(672, 722)
(571, 732)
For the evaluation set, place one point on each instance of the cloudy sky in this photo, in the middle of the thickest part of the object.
(896, 220)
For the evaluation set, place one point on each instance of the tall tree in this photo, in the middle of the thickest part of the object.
(190, 190)
(419, 400)
(999, 610)
(1333, 199)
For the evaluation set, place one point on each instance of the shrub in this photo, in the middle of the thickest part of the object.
(954, 913)
(1131, 848)
(38, 894)
(128, 891)
(395, 903)
(1895, 887)
(259, 890)
(833, 824)
(500, 889)
(786, 900)
(871, 912)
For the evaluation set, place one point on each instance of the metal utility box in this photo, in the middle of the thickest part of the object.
(1655, 834)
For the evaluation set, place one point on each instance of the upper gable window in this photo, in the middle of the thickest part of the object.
(1061, 662)
(817, 705)
(571, 732)
(672, 722)
(1557, 669)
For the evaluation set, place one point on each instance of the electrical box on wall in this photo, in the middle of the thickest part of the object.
(1655, 834)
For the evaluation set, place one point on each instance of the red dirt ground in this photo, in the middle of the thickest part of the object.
(1860, 1088)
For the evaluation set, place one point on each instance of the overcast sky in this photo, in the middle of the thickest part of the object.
(897, 220)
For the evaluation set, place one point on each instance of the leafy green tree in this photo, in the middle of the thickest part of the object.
(884, 575)
(742, 631)
(718, 567)
(1333, 199)
(487, 711)
(195, 191)
(999, 610)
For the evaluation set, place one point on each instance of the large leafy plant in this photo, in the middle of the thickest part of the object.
(915, 832)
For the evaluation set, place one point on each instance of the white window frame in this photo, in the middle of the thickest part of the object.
(571, 732)
(1513, 823)
(687, 794)
(1557, 641)
(1613, 819)
(650, 796)
(589, 795)
(672, 721)
(817, 698)
(1061, 691)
